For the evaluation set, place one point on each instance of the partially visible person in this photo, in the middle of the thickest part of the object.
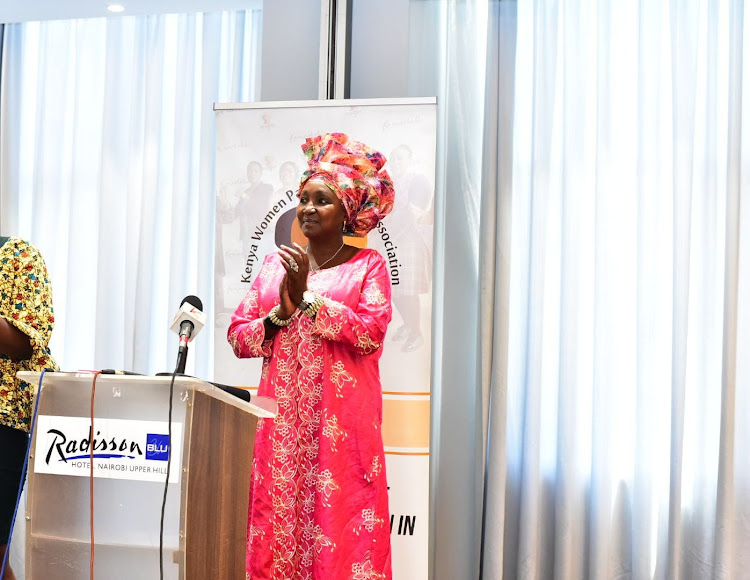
(318, 317)
(258, 193)
(26, 321)
(289, 177)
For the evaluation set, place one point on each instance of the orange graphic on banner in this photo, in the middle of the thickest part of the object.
(406, 423)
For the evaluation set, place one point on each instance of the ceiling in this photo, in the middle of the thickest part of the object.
(20, 11)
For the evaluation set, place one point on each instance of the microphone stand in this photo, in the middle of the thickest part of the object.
(182, 353)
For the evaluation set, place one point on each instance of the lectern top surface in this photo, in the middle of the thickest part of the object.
(259, 406)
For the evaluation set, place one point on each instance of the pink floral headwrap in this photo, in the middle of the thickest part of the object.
(355, 173)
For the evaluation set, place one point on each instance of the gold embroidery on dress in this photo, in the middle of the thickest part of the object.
(327, 325)
(364, 571)
(312, 363)
(335, 308)
(332, 431)
(325, 486)
(366, 344)
(250, 302)
(340, 377)
(256, 531)
(308, 504)
(266, 275)
(319, 539)
(283, 501)
(374, 295)
(282, 474)
(369, 521)
(359, 274)
(375, 468)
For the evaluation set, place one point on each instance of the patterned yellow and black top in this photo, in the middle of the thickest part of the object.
(26, 303)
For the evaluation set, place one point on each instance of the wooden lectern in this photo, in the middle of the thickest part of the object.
(205, 519)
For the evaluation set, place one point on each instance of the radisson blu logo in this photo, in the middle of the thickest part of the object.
(66, 449)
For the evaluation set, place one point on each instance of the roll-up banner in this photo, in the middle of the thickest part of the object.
(259, 162)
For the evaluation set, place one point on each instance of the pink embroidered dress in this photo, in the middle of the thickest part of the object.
(319, 498)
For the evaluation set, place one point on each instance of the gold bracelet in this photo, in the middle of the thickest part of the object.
(275, 320)
(314, 306)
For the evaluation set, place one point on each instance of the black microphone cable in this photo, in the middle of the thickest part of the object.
(166, 481)
(184, 330)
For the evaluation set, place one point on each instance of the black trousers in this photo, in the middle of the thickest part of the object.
(13, 443)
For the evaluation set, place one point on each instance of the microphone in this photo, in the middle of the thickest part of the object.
(187, 323)
(236, 391)
(119, 372)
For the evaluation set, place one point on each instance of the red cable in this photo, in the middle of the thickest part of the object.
(91, 475)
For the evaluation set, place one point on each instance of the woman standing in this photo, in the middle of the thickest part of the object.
(318, 316)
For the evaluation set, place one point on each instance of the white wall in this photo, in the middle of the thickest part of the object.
(380, 49)
(291, 50)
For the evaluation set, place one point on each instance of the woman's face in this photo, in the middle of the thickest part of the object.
(399, 161)
(287, 174)
(320, 212)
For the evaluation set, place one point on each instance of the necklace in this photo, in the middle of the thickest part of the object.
(315, 268)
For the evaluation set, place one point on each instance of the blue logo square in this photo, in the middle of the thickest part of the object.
(157, 447)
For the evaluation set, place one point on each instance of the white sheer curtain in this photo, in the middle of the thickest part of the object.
(614, 290)
(457, 66)
(107, 166)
